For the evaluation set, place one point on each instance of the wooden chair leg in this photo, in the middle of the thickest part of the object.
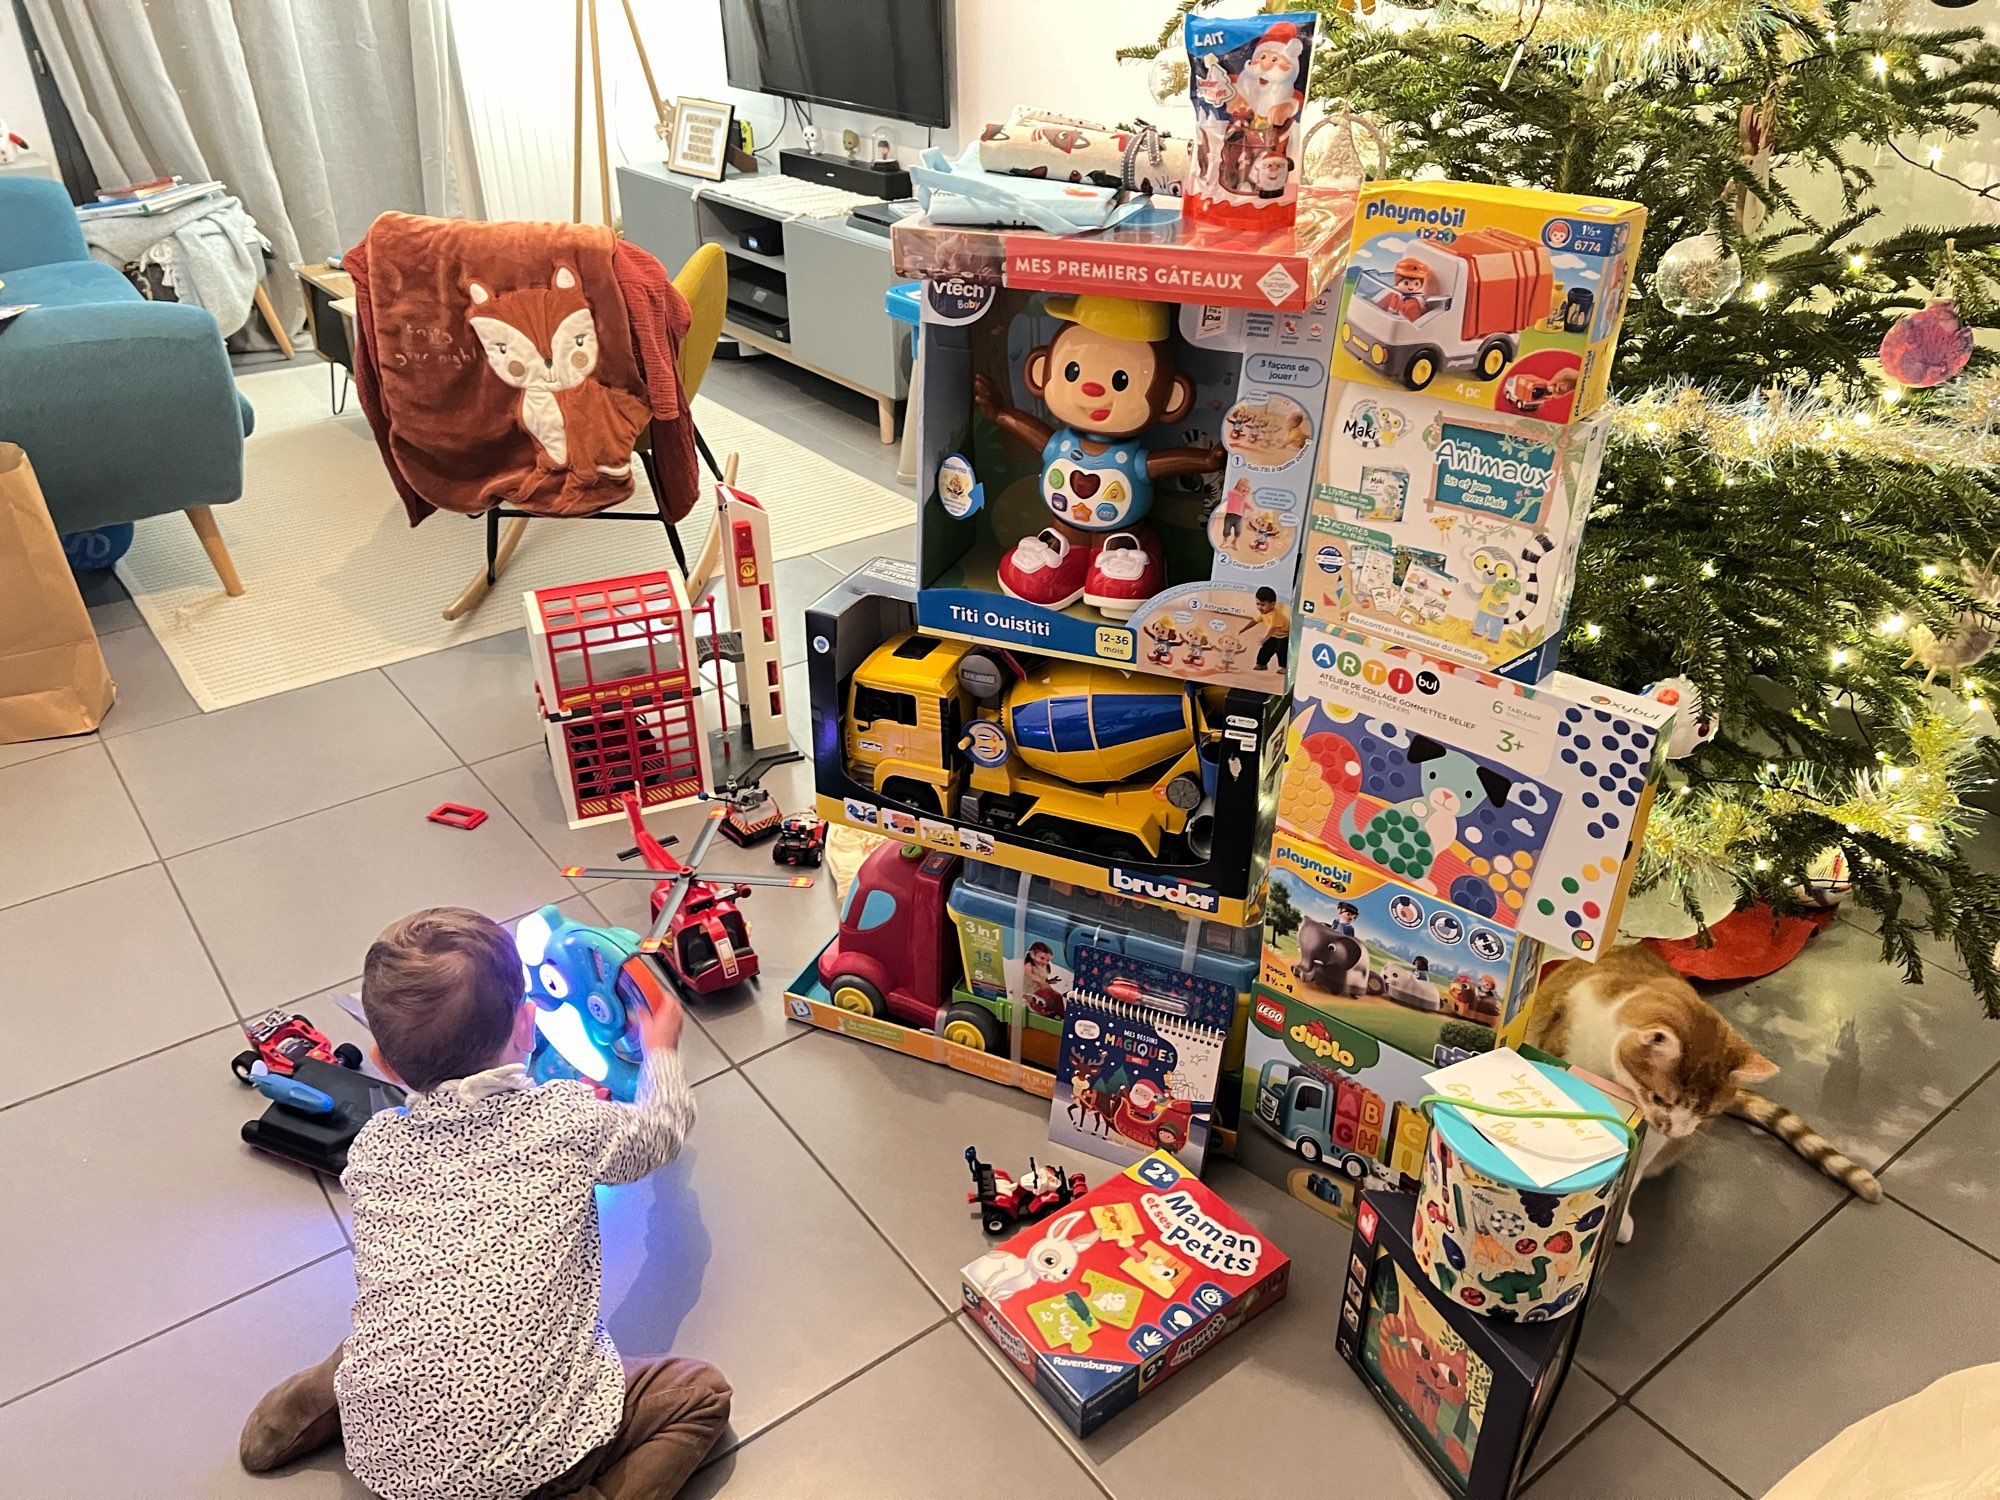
(885, 416)
(262, 299)
(469, 597)
(202, 518)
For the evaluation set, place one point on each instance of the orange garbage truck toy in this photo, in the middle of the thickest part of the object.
(1449, 305)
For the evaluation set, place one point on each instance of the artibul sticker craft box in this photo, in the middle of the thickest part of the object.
(1098, 1304)
(1521, 805)
(1449, 529)
(1505, 299)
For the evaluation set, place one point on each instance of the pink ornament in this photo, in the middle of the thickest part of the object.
(1926, 348)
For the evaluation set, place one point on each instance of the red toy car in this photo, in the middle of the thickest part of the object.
(801, 841)
(278, 1039)
(1004, 1202)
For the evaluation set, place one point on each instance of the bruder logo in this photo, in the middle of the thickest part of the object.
(1178, 892)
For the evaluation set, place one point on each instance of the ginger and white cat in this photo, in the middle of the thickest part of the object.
(543, 342)
(1631, 1018)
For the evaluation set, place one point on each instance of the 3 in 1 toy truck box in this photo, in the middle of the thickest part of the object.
(1401, 963)
(1506, 299)
(1134, 1281)
(1471, 1394)
(1453, 530)
(1521, 805)
(1138, 786)
(1118, 473)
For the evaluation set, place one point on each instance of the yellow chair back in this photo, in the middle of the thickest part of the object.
(704, 281)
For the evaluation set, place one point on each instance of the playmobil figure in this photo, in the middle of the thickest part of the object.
(1409, 289)
(1004, 1201)
(1331, 957)
(1107, 377)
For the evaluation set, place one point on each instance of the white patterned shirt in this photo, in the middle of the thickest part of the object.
(479, 1366)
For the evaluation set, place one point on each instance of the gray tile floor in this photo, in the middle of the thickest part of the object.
(177, 871)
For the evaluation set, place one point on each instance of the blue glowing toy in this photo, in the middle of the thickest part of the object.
(590, 986)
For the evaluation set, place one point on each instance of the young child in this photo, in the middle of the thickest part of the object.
(479, 1363)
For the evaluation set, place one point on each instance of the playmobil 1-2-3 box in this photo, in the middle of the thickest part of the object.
(1522, 805)
(1453, 530)
(1130, 1284)
(1114, 479)
(1138, 786)
(1507, 299)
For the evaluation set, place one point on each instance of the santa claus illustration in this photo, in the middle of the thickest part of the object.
(1267, 89)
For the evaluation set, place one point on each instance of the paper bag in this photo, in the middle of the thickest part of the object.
(53, 680)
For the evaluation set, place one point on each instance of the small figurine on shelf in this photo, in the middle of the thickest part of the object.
(1107, 377)
(1005, 1202)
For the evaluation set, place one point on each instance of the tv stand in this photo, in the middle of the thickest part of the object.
(814, 299)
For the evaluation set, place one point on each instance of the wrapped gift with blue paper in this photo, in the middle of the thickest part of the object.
(1523, 1178)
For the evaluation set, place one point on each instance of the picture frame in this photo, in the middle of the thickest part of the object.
(698, 145)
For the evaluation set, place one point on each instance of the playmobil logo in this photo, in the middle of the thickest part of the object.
(1411, 213)
(1335, 877)
(1318, 1044)
(1184, 1225)
(1177, 892)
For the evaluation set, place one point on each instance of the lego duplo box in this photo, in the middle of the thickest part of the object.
(1099, 1303)
(1444, 527)
(1524, 806)
(1136, 786)
(1470, 1394)
(1507, 299)
(1400, 963)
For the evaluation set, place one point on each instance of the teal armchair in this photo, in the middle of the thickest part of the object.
(126, 408)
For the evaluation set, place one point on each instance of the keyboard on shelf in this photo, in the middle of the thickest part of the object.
(788, 197)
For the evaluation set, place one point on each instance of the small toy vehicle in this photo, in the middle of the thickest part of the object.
(280, 1039)
(1004, 1202)
(801, 841)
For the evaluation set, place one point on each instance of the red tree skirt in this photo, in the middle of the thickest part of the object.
(1747, 944)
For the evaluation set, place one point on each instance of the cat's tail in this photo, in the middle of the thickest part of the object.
(1790, 1127)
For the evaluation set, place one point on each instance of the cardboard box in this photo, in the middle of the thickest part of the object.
(1243, 381)
(1522, 805)
(938, 765)
(1399, 962)
(1470, 1394)
(1506, 299)
(1446, 528)
(1137, 1279)
(1327, 1110)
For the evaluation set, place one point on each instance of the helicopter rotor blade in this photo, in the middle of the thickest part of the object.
(590, 872)
(656, 936)
(795, 882)
(707, 835)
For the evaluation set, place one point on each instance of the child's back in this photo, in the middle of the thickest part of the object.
(479, 1363)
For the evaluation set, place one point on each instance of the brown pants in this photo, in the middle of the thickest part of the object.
(675, 1409)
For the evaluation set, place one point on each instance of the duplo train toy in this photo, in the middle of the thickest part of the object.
(1122, 783)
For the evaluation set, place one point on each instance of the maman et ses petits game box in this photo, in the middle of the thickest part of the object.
(1132, 1282)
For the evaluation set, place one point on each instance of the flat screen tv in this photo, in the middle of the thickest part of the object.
(876, 57)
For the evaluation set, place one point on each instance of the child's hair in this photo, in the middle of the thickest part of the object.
(441, 989)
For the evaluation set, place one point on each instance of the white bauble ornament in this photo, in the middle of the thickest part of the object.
(1697, 275)
(1167, 77)
(1828, 880)
(1693, 726)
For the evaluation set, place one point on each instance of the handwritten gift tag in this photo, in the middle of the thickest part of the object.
(1546, 1151)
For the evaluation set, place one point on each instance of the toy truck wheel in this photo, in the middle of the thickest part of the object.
(857, 996)
(1309, 1148)
(348, 1056)
(993, 1221)
(1354, 1167)
(1422, 368)
(973, 1026)
(1494, 356)
(1184, 792)
(981, 676)
(242, 1063)
(913, 793)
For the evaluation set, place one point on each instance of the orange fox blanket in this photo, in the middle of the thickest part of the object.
(496, 364)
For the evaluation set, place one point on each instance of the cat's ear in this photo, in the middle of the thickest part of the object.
(564, 279)
(1497, 785)
(1660, 1044)
(1754, 1068)
(1423, 748)
(478, 293)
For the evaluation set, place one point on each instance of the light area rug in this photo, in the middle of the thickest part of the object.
(337, 581)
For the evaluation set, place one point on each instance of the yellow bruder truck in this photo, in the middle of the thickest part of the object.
(1081, 756)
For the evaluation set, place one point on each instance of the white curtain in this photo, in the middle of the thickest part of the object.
(318, 114)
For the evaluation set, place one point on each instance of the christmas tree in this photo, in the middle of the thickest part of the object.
(1798, 520)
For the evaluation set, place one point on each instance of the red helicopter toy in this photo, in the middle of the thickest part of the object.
(698, 935)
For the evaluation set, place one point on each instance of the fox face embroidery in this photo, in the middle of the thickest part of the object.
(543, 342)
